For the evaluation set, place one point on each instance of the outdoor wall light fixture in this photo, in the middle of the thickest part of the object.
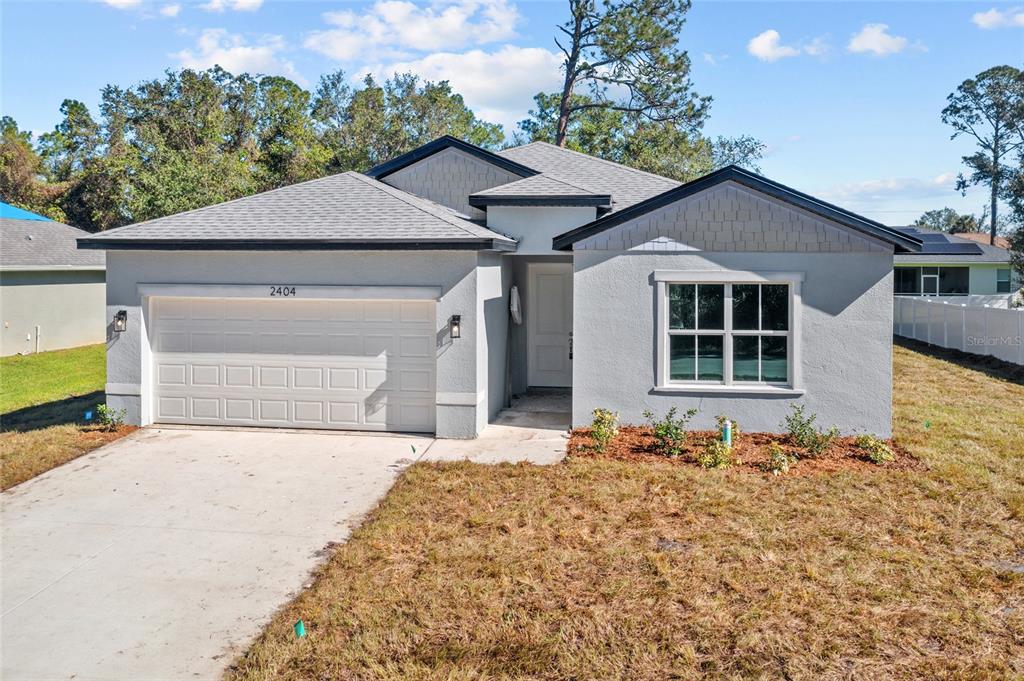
(455, 326)
(121, 321)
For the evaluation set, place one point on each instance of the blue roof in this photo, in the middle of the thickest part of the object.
(13, 212)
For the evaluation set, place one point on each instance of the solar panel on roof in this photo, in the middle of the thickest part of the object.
(947, 248)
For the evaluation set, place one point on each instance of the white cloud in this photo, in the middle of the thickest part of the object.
(876, 39)
(170, 10)
(892, 187)
(818, 47)
(394, 28)
(767, 46)
(230, 51)
(994, 18)
(499, 86)
(237, 5)
(123, 4)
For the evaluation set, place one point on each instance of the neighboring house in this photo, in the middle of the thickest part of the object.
(381, 300)
(954, 265)
(51, 293)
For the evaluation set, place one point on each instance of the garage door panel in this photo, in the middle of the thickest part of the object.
(239, 342)
(172, 407)
(206, 408)
(239, 409)
(171, 374)
(308, 377)
(205, 375)
(273, 377)
(367, 365)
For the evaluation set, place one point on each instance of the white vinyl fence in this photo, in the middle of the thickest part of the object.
(980, 330)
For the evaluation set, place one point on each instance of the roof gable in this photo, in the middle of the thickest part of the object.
(749, 180)
(446, 142)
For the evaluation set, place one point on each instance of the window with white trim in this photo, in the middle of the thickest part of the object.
(730, 333)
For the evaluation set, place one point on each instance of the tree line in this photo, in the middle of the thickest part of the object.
(193, 138)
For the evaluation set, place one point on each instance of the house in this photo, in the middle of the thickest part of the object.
(381, 300)
(51, 293)
(955, 265)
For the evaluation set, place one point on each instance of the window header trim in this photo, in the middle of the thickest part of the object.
(725, 277)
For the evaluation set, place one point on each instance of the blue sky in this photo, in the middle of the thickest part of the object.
(847, 95)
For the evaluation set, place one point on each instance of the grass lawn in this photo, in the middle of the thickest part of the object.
(604, 569)
(43, 398)
(30, 380)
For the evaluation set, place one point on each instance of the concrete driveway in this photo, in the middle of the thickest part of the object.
(162, 555)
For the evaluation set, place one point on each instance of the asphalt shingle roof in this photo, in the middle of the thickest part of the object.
(626, 185)
(36, 244)
(538, 185)
(345, 208)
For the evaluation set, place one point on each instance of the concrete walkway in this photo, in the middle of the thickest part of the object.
(162, 555)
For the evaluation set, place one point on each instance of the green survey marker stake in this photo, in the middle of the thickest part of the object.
(300, 629)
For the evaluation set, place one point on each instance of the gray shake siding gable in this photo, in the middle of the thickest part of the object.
(730, 217)
(449, 177)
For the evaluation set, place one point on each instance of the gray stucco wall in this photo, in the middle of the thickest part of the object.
(494, 279)
(449, 177)
(459, 396)
(533, 227)
(67, 306)
(845, 338)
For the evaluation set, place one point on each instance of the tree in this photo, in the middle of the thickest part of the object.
(72, 143)
(990, 109)
(625, 55)
(948, 220)
(22, 181)
(632, 139)
(364, 127)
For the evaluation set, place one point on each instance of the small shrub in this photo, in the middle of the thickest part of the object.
(779, 461)
(604, 428)
(879, 453)
(804, 434)
(110, 419)
(669, 432)
(716, 454)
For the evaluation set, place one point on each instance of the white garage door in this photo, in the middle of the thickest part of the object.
(294, 363)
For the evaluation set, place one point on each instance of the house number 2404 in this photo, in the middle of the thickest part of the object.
(282, 291)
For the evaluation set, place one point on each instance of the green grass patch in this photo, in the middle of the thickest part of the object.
(30, 380)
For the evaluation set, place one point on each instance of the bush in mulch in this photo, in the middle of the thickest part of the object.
(751, 452)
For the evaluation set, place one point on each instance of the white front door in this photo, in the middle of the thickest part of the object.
(549, 325)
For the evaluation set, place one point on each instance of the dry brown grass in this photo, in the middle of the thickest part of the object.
(24, 455)
(607, 569)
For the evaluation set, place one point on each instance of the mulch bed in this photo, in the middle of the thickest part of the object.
(749, 452)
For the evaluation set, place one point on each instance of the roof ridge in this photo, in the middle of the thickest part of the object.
(223, 203)
(598, 158)
(417, 202)
(534, 178)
